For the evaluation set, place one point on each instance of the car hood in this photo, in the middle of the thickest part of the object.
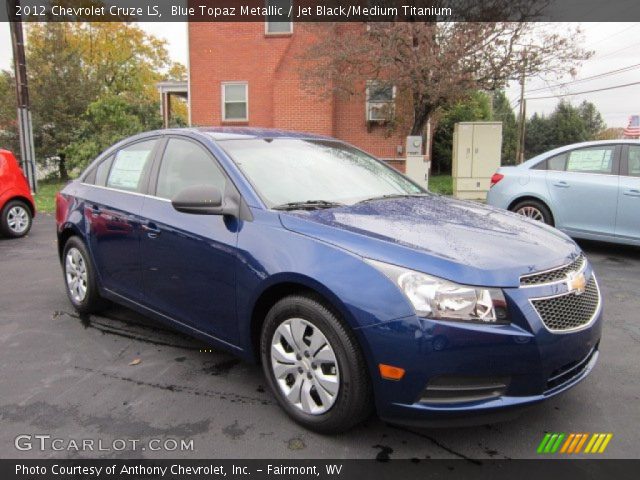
(461, 241)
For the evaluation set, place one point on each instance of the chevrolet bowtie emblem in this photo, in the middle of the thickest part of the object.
(576, 282)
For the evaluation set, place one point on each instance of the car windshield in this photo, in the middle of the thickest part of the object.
(319, 173)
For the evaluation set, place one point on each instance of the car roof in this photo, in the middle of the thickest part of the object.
(237, 133)
(550, 153)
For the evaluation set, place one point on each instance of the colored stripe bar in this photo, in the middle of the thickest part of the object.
(550, 443)
(567, 443)
(543, 443)
(592, 441)
(584, 439)
(555, 447)
(605, 443)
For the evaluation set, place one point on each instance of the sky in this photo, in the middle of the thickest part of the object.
(615, 46)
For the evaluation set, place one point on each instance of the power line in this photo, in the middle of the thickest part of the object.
(586, 79)
(600, 57)
(585, 91)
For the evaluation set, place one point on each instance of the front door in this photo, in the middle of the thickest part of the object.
(628, 218)
(584, 189)
(189, 260)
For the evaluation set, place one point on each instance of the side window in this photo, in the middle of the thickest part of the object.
(591, 160)
(185, 164)
(633, 165)
(102, 171)
(129, 165)
(557, 163)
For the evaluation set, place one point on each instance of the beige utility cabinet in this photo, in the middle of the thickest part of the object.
(476, 157)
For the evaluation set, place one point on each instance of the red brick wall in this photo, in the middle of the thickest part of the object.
(221, 52)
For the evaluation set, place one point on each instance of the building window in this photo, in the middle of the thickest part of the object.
(381, 98)
(278, 24)
(235, 101)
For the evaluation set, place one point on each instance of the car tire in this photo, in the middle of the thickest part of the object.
(16, 219)
(332, 381)
(534, 210)
(80, 278)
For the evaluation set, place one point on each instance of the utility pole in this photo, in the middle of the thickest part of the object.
(27, 153)
(523, 111)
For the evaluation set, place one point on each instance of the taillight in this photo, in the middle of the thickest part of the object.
(495, 178)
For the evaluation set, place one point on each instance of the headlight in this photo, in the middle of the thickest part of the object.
(440, 299)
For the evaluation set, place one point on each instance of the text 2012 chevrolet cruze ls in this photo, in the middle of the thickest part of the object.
(355, 288)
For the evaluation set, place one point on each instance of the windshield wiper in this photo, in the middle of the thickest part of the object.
(308, 205)
(393, 195)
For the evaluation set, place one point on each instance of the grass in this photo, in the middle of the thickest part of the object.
(442, 184)
(46, 196)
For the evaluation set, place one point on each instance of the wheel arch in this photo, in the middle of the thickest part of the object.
(69, 230)
(284, 286)
(523, 198)
(25, 200)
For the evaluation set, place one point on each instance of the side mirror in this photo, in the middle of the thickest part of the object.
(200, 199)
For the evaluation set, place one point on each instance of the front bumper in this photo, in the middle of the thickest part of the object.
(534, 363)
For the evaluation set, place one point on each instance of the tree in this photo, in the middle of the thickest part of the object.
(476, 107)
(502, 112)
(436, 64)
(77, 68)
(537, 135)
(593, 122)
(8, 122)
(567, 124)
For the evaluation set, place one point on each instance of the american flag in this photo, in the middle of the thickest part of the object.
(633, 129)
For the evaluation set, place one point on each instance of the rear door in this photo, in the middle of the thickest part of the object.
(628, 217)
(112, 208)
(583, 187)
(189, 260)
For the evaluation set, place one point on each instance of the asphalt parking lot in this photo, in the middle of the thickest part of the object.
(72, 379)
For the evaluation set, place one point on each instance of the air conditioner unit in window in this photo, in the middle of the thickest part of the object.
(380, 111)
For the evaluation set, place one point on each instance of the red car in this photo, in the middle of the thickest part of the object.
(17, 207)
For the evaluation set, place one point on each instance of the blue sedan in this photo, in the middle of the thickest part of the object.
(353, 287)
(588, 190)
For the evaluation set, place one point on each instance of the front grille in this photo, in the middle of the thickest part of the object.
(570, 371)
(556, 275)
(569, 311)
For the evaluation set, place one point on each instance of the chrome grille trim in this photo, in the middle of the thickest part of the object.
(553, 275)
(581, 326)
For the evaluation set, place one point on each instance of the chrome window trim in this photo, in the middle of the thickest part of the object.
(582, 268)
(575, 329)
(125, 191)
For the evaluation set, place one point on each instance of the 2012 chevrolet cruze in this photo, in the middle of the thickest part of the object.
(353, 286)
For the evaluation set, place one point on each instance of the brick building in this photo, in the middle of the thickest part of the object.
(249, 74)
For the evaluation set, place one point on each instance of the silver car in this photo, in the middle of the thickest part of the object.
(588, 190)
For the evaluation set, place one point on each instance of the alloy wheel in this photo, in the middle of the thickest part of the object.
(305, 366)
(18, 219)
(531, 212)
(75, 269)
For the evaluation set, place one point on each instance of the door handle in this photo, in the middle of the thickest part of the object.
(561, 184)
(632, 193)
(152, 230)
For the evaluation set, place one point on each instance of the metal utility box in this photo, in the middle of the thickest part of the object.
(476, 157)
(416, 164)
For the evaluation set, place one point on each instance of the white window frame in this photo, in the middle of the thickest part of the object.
(266, 24)
(370, 84)
(224, 101)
